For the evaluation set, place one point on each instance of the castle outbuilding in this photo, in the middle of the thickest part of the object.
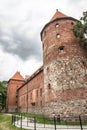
(13, 84)
(60, 85)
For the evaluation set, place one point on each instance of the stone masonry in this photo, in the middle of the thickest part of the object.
(60, 85)
(65, 68)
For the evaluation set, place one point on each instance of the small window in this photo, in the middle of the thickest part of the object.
(49, 86)
(41, 92)
(58, 35)
(57, 25)
(48, 69)
(40, 103)
(84, 63)
(72, 23)
(33, 103)
(61, 49)
(31, 96)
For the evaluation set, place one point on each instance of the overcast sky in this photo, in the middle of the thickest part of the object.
(21, 22)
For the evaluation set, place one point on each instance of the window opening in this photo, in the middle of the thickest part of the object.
(40, 103)
(57, 25)
(31, 96)
(33, 103)
(72, 23)
(61, 49)
(49, 86)
(48, 69)
(58, 35)
(41, 92)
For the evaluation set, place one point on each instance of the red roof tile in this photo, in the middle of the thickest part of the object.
(58, 15)
(17, 76)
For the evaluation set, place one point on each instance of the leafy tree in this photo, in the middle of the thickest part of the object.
(80, 30)
(3, 93)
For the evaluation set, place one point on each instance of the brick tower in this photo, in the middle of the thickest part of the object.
(65, 68)
(16, 81)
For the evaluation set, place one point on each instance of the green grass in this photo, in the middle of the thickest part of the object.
(41, 119)
(5, 123)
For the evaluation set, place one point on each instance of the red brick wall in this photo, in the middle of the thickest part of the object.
(67, 39)
(65, 69)
(30, 96)
(11, 94)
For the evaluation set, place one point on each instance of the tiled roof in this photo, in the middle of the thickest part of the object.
(17, 76)
(58, 14)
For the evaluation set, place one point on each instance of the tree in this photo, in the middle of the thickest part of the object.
(80, 30)
(3, 93)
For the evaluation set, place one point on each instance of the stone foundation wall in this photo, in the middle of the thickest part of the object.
(36, 111)
(67, 108)
(33, 110)
(12, 109)
(65, 82)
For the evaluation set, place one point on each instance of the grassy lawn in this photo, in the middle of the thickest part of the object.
(5, 123)
(41, 119)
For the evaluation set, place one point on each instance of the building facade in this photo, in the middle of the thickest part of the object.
(30, 98)
(60, 85)
(13, 84)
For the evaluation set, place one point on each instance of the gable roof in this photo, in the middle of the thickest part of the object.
(17, 76)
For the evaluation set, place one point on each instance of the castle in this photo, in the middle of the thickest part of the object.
(60, 85)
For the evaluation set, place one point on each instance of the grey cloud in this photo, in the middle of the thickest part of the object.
(15, 40)
(18, 44)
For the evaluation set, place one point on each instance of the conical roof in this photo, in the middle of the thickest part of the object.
(57, 15)
(17, 76)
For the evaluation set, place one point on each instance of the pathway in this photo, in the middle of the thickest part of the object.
(30, 125)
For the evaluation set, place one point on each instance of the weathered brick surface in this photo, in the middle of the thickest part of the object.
(11, 95)
(67, 108)
(68, 82)
(61, 87)
(30, 98)
(65, 70)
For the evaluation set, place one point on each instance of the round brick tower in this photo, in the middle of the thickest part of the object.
(65, 68)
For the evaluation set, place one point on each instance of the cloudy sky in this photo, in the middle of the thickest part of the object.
(21, 22)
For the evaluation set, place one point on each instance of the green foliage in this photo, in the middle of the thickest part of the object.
(3, 93)
(80, 30)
